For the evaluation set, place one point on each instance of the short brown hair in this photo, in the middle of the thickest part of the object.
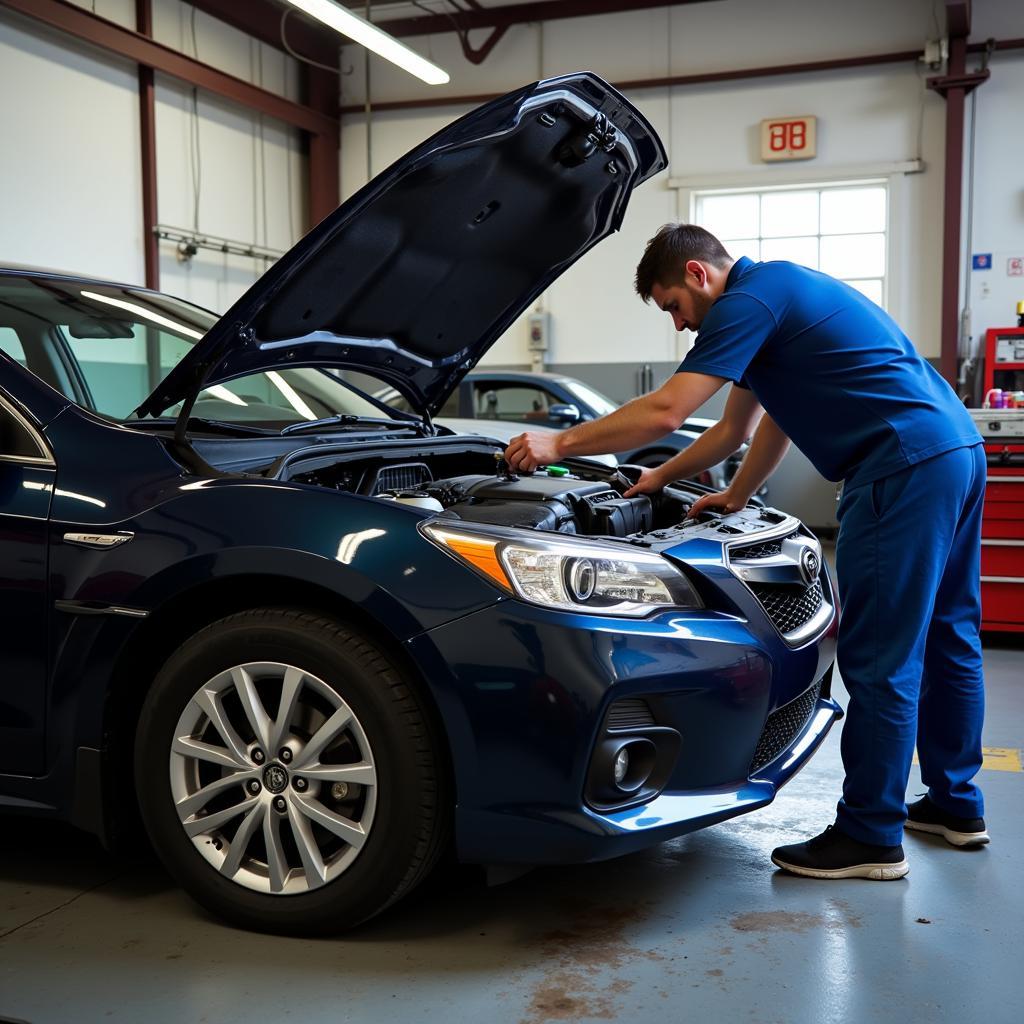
(670, 249)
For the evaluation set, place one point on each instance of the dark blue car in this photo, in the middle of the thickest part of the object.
(309, 643)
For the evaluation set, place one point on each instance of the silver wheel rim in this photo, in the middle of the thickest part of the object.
(273, 778)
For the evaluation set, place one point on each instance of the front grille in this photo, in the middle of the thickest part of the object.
(629, 714)
(765, 549)
(783, 726)
(789, 605)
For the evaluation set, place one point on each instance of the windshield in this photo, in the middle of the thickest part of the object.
(586, 394)
(107, 348)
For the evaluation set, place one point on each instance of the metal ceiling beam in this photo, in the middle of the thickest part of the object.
(517, 14)
(702, 78)
(114, 38)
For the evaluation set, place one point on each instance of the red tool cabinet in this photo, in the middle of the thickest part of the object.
(1002, 528)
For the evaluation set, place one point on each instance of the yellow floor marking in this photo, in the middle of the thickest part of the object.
(997, 759)
(1001, 759)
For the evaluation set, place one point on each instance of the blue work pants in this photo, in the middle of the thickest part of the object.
(908, 565)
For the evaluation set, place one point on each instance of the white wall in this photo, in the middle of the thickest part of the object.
(72, 196)
(70, 162)
(867, 118)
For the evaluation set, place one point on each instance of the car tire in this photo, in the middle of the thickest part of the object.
(342, 814)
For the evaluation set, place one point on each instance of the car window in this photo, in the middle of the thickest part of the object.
(601, 404)
(514, 402)
(10, 344)
(107, 348)
(391, 397)
(16, 440)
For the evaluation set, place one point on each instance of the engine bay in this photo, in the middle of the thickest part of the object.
(472, 483)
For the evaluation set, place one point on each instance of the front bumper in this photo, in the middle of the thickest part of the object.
(523, 693)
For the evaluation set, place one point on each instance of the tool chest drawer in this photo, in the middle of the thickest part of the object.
(1001, 603)
(1003, 558)
(1002, 545)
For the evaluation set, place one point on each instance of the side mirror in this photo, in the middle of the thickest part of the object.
(566, 414)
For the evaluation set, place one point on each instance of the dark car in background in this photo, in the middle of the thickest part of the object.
(305, 643)
(556, 401)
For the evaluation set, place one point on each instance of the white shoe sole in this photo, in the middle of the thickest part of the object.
(951, 837)
(876, 872)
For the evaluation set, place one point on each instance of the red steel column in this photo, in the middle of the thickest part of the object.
(324, 147)
(147, 135)
(953, 87)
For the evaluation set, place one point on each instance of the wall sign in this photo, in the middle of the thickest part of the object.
(1015, 266)
(981, 261)
(789, 138)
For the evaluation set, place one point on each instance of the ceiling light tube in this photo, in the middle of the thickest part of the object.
(369, 35)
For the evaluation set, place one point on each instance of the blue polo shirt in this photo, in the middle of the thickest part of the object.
(831, 369)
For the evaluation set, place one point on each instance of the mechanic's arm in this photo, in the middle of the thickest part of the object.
(642, 420)
(764, 454)
(739, 420)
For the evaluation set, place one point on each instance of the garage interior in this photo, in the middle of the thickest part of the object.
(186, 147)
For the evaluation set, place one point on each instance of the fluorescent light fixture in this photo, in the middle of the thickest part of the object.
(361, 31)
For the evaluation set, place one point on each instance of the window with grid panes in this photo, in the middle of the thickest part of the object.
(838, 229)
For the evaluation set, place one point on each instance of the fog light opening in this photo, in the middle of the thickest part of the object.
(621, 765)
(632, 764)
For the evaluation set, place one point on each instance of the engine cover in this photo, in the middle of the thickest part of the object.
(564, 504)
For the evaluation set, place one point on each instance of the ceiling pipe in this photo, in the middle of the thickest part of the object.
(520, 14)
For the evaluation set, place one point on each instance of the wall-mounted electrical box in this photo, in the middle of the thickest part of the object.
(539, 327)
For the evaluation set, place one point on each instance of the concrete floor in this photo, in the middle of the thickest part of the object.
(699, 929)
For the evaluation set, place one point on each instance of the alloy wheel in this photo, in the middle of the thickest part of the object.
(273, 778)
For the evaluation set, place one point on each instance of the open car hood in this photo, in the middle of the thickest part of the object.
(415, 277)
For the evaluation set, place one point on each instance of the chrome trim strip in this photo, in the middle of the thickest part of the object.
(1005, 480)
(46, 456)
(99, 540)
(1002, 579)
(1003, 543)
(85, 608)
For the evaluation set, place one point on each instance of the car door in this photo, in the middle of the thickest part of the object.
(27, 476)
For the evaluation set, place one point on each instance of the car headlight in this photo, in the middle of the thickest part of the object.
(578, 576)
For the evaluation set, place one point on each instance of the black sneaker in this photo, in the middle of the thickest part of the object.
(834, 854)
(924, 816)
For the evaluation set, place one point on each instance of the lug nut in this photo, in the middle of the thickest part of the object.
(339, 791)
(285, 755)
(280, 805)
(257, 756)
(254, 787)
(300, 784)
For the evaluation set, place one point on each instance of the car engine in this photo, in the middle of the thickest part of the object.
(577, 497)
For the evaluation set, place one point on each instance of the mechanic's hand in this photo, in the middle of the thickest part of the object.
(649, 483)
(528, 451)
(725, 500)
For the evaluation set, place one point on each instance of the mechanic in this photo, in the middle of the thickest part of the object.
(812, 360)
